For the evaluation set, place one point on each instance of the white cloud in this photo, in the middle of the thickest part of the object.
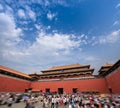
(51, 48)
(110, 38)
(50, 15)
(38, 27)
(48, 27)
(116, 23)
(57, 41)
(47, 3)
(54, 31)
(90, 58)
(47, 50)
(46, 45)
(60, 2)
(31, 14)
(118, 5)
(52, 45)
(7, 27)
(21, 13)
(9, 10)
(1, 7)
(9, 38)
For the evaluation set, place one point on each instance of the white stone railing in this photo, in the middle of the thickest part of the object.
(77, 78)
(44, 80)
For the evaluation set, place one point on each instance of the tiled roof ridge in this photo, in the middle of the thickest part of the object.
(13, 71)
(76, 64)
(108, 64)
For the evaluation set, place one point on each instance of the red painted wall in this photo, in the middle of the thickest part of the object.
(9, 84)
(82, 85)
(113, 81)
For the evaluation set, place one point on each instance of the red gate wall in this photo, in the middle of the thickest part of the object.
(82, 85)
(113, 81)
(10, 84)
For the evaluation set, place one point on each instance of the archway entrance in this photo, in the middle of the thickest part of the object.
(47, 90)
(60, 90)
(75, 90)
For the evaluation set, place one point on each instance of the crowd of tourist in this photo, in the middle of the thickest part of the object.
(76, 100)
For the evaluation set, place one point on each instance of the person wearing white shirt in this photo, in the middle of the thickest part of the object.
(70, 105)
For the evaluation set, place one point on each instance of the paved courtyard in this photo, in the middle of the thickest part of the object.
(22, 105)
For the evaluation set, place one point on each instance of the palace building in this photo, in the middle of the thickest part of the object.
(63, 79)
(68, 72)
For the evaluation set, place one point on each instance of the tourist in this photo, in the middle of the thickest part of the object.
(10, 101)
(70, 105)
(29, 105)
(57, 101)
(46, 101)
(76, 105)
(52, 102)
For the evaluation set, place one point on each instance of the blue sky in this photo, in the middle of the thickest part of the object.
(38, 34)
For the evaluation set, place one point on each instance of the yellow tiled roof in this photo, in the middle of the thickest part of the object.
(65, 67)
(14, 71)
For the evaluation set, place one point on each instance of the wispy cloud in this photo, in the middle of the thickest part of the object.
(48, 27)
(30, 13)
(48, 49)
(117, 6)
(110, 38)
(9, 10)
(38, 27)
(37, 45)
(50, 15)
(58, 45)
(1, 7)
(91, 59)
(116, 23)
(60, 2)
(57, 41)
(21, 13)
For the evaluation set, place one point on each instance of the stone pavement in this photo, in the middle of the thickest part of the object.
(22, 105)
